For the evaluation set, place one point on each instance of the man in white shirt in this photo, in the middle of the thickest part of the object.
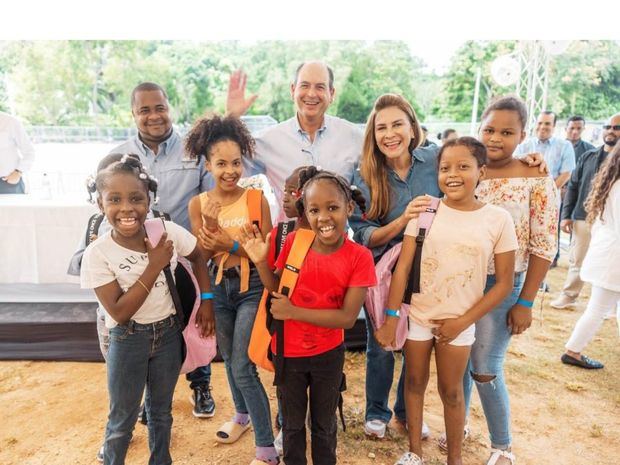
(311, 137)
(16, 155)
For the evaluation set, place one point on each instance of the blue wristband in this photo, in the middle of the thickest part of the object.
(234, 248)
(206, 296)
(525, 303)
(392, 312)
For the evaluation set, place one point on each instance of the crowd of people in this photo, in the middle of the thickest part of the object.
(476, 268)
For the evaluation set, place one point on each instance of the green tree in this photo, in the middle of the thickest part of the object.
(455, 102)
(377, 69)
(586, 80)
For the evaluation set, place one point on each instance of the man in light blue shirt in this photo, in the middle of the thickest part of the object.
(161, 151)
(179, 178)
(311, 137)
(558, 153)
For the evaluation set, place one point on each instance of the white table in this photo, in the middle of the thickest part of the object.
(37, 239)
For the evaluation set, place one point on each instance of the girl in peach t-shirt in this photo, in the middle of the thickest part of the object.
(465, 236)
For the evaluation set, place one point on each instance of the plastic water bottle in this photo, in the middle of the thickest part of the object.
(46, 188)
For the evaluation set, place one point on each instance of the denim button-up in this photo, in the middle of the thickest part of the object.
(421, 179)
(179, 177)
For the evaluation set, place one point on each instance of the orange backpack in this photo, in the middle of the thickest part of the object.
(254, 200)
(259, 349)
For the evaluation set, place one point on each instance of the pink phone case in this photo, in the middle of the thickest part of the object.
(154, 228)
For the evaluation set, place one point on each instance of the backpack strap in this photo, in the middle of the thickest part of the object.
(284, 228)
(154, 230)
(424, 225)
(255, 201)
(301, 244)
(94, 222)
(158, 214)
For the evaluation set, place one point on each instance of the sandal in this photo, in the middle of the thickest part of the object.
(409, 458)
(442, 442)
(497, 453)
(230, 432)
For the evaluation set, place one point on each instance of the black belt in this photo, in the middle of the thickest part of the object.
(232, 272)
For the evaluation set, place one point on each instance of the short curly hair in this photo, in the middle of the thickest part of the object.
(210, 130)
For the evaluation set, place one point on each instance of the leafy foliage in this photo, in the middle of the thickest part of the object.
(89, 82)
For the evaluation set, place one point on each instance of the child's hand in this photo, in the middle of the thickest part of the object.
(210, 213)
(535, 159)
(252, 242)
(386, 334)
(205, 318)
(448, 329)
(161, 254)
(216, 241)
(519, 319)
(281, 307)
(414, 208)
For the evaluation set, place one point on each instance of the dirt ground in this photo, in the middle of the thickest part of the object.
(54, 412)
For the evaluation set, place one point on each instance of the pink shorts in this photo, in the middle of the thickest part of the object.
(418, 332)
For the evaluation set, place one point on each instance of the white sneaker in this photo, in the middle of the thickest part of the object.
(375, 428)
(426, 432)
(278, 443)
(563, 301)
(409, 458)
(100, 455)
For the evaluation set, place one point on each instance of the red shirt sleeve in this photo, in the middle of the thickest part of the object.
(364, 274)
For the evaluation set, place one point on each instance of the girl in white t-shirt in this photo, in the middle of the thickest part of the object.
(465, 235)
(125, 270)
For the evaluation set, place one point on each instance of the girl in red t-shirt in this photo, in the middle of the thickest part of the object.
(328, 296)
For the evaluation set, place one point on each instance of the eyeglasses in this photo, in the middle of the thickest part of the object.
(615, 127)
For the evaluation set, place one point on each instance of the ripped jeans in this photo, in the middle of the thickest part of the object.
(487, 358)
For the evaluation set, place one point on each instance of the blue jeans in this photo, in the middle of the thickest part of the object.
(142, 355)
(201, 376)
(234, 317)
(6, 188)
(379, 376)
(487, 358)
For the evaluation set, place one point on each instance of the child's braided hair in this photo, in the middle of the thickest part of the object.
(121, 163)
(312, 174)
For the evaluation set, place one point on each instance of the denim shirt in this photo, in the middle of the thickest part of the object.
(179, 177)
(421, 179)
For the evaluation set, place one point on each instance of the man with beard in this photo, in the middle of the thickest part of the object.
(573, 213)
